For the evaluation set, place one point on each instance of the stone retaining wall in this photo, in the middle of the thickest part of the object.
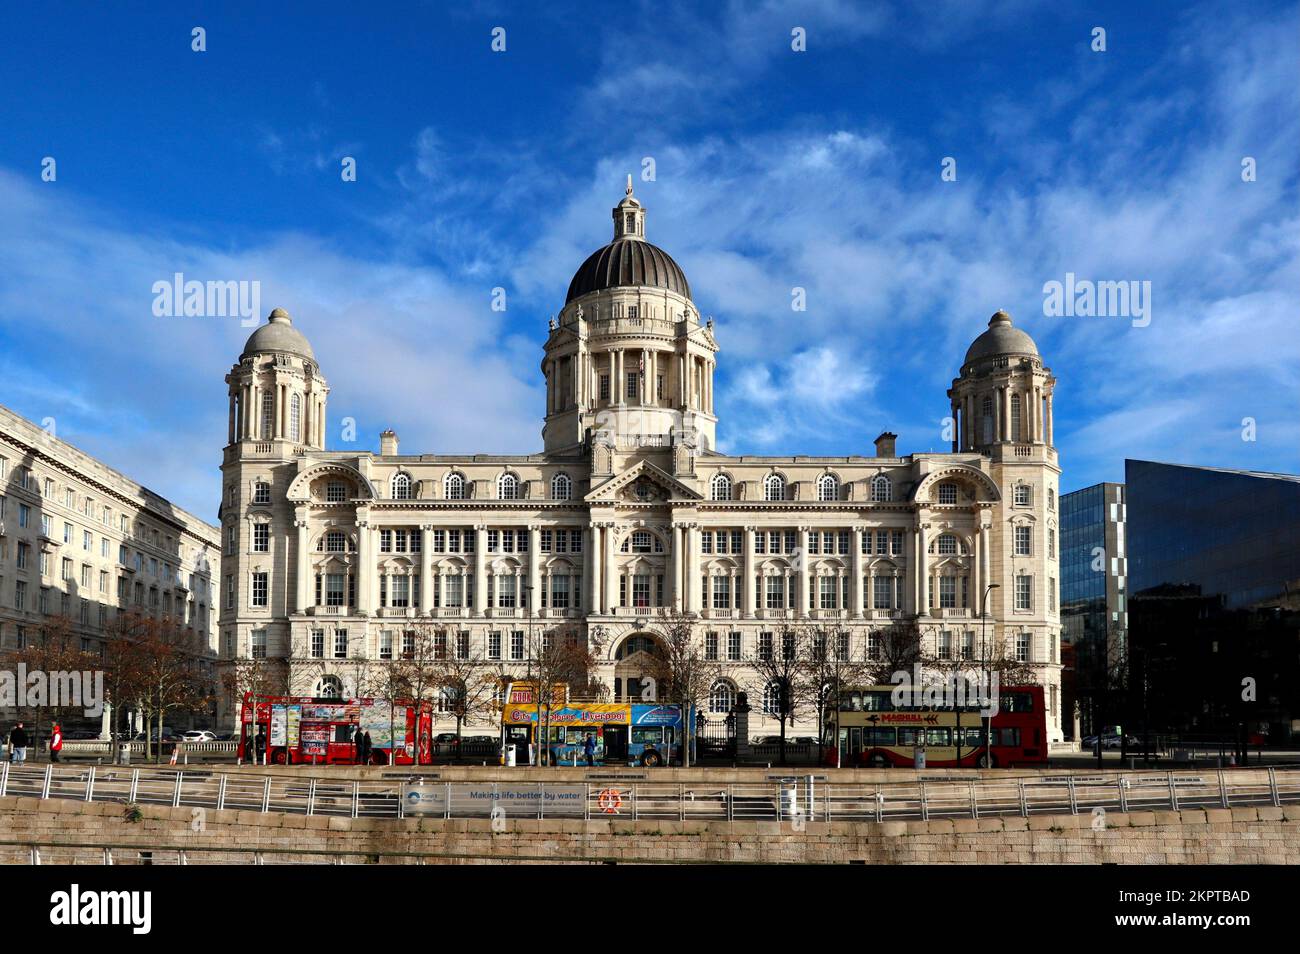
(1228, 836)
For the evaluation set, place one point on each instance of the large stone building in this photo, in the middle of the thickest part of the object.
(629, 507)
(82, 542)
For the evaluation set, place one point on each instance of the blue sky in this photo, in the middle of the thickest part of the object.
(774, 169)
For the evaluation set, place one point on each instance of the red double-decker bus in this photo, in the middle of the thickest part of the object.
(303, 729)
(870, 729)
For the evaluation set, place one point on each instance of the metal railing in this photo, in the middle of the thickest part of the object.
(618, 795)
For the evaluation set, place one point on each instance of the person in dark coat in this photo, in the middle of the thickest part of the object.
(18, 743)
(589, 748)
(259, 747)
(359, 741)
(369, 746)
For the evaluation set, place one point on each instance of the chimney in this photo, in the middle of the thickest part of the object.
(885, 445)
(388, 444)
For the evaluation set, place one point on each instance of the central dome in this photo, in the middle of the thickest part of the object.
(628, 262)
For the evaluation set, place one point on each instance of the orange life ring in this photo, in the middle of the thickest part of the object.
(610, 801)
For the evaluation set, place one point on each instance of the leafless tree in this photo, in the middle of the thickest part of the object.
(683, 674)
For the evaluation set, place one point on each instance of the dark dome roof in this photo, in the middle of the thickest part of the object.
(280, 336)
(627, 262)
(1002, 337)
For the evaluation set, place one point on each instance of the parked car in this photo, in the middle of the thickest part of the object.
(769, 740)
(199, 735)
(446, 738)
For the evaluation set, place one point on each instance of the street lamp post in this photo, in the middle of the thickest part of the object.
(984, 626)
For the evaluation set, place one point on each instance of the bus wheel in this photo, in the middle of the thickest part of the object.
(987, 761)
(651, 759)
(879, 761)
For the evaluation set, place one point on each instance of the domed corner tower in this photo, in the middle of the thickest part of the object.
(1002, 409)
(628, 362)
(277, 414)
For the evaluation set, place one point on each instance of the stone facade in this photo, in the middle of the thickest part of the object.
(83, 541)
(629, 507)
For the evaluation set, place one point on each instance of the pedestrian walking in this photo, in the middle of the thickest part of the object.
(18, 744)
(589, 749)
(367, 747)
(259, 746)
(56, 742)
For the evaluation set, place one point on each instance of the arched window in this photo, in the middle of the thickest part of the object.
(881, 489)
(1015, 417)
(947, 493)
(268, 415)
(642, 541)
(261, 492)
(335, 541)
(328, 687)
(986, 419)
(773, 487)
(947, 545)
(722, 697)
(295, 417)
(507, 487)
(453, 487)
(720, 487)
(828, 487)
(561, 487)
(772, 698)
(401, 486)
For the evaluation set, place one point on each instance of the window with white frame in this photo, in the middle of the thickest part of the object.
(1023, 495)
(1023, 540)
(720, 487)
(259, 592)
(261, 538)
(340, 644)
(561, 487)
(828, 487)
(948, 493)
(1024, 592)
(722, 697)
(882, 490)
(1022, 646)
(261, 492)
(773, 487)
(401, 486)
(257, 644)
(507, 487)
(773, 699)
(295, 417)
(336, 491)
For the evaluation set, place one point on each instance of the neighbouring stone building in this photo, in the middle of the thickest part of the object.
(80, 540)
(629, 507)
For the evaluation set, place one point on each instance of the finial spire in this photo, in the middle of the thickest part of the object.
(629, 183)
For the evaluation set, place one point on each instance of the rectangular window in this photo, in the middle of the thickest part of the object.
(340, 644)
(261, 538)
(947, 593)
(494, 646)
(827, 589)
(1022, 646)
(882, 593)
(604, 387)
(318, 644)
(711, 646)
(722, 592)
(462, 644)
(1022, 541)
(1024, 592)
(560, 592)
(1022, 495)
(517, 644)
(334, 589)
(260, 590)
(257, 640)
(733, 646)
(633, 384)
(775, 592)
(765, 647)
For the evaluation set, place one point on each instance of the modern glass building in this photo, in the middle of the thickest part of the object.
(1214, 564)
(1094, 617)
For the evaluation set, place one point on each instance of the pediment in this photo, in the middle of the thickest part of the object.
(642, 483)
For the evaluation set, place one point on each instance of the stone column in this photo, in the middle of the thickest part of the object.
(535, 567)
(303, 570)
(801, 597)
(610, 599)
(426, 570)
(480, 570)
(230, 425)
(593, 569)
(693, 581)
(750, 587)
(1049, 420)
(675, 549)
(855, 584)
(985, 579)
(365, 567)
(1006, 414)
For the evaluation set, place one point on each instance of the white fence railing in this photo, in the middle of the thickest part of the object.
(796, 798)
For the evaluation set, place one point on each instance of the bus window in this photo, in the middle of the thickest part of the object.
(909, 736)
(344, 732)
(878, 702)
(647, 735)
(974, 737)
(851, 702)
(1007, 737)
(880, 735)
(1017, 702)
(938, 736)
